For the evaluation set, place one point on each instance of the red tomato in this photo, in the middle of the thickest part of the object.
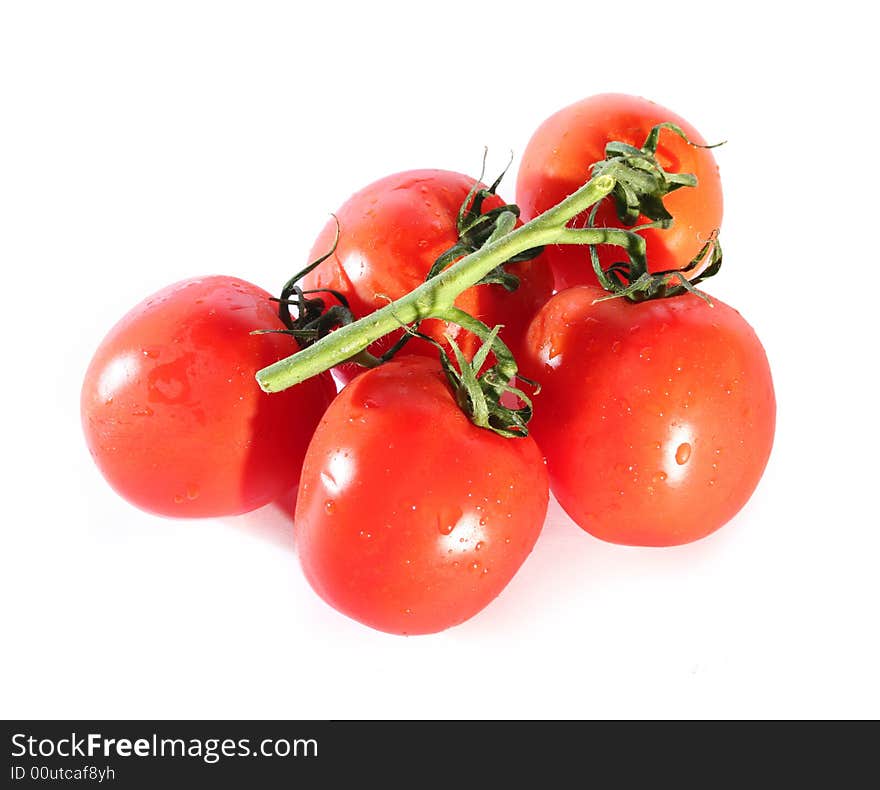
(173, 416)
(390, 234)
(557, 162)
(409, 518)
(656, 418)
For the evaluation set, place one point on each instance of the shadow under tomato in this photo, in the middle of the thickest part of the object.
(567, 561)
(272, 523)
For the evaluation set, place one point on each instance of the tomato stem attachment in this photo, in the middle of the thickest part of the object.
(435, 297)
(642, 183)
(632, 177)
(480, 392)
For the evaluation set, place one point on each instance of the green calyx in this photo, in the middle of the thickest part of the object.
(641, 184)
(478, 391)
(314, 317)
(638, 284)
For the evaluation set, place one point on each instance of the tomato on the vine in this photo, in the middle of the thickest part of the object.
(409, 518)
(656, 418)
(172, 414)
(391, 233)
(557, 161)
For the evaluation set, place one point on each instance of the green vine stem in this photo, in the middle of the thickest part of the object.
(435, 298)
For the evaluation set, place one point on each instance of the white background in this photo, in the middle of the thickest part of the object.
(141, 143)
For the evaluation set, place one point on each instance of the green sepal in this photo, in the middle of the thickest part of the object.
(479, 392)
(314, 319)
(641, 184)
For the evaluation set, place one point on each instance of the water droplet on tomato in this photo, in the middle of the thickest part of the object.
(329, 507)
(615, 346)
(478, 546)
(683, 453)
(659, 477)
(475, 566)
(645, 353)
(178, 499)
(447, 519)
(192, 491)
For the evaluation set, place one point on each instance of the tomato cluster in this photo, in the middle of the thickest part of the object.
(653, 408)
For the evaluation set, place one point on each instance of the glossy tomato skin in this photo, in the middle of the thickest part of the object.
(390, 234)
(173, 416)
(557, 162)
(409, 518)
(657, 418)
